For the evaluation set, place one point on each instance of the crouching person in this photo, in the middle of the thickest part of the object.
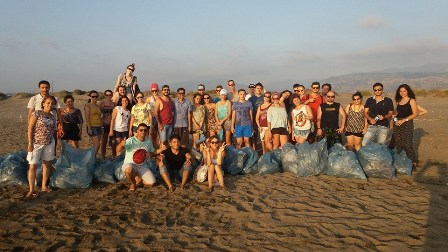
(138, 149)
(175, 163)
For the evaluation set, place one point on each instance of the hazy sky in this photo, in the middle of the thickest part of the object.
(86, 44)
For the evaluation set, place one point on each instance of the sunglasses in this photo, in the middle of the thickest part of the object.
(276, 98)
(330, 96)
(214, 142)
(267, 96)
(131, 69)
(315, 87)
(139, 97)
(231, 84)
(181, 93)
(356, 99)
(108, 94)
(166, 89)
(94, 96)
(154, 91)
(378, 89)
(206, 98)
(218, 90)
(296, 90)
(143, 130)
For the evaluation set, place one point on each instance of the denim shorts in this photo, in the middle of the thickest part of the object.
(118, 134)
(165, 134)
(96, 131)
(301, 133)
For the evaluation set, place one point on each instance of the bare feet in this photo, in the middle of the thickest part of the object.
(210, 189)
(170, 189)
(132, 188)
(31, 195)
(46, 189)
(224, 188)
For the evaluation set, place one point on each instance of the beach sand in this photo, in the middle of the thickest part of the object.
(278, 212)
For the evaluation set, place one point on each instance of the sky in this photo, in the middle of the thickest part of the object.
(86, 44)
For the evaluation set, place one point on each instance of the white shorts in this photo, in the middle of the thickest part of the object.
(41, 152)
(263, 132)
(142, 171)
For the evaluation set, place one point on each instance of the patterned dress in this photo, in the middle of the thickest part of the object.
(211, 120)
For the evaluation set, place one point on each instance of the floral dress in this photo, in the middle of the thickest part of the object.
(211, 120)
(199, 113)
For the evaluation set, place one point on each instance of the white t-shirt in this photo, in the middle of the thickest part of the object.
(35, 102)
(132, 145)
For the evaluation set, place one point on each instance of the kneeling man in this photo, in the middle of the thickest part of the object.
(138, 149)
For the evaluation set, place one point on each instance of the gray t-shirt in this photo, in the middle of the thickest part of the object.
(277, 117)
(181, 110)
(242, 117)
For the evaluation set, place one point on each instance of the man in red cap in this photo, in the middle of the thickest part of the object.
(138, 150)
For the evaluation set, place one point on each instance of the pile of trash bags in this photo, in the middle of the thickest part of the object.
(77, 168)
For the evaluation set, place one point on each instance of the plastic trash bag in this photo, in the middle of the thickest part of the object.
(233, 161)
(118, 164)
(312, 158)
(196, 160)
(401, 162)
(200, 174)
(268, 163)
(74, 168)
(251, 163)
(376, 161)
(104, 172)
(343, 163)
(13, 169)
(290, 158)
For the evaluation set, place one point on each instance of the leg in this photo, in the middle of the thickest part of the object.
(357, 142)
(31, 180)
(165, 175)
(45, 174)
(283, 139)
(368, 137)
(117, 142)
(104, 138)
(210, 176)
(220, 175)
(268, 140)
(247, 142)
(228, 135)
(300, 139)
(239, 142)
(96, 143)
(275, 141)
(130, 175)
(146, 176)
(350, 142)
(185, 173)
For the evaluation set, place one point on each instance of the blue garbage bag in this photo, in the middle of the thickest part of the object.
(74, 168)
(268, 163)
(233, 161)
(312, 158)
(104, 172)
(251, 163)
(343, 163)
(401, 162)
(13, 169)
(118, 164)
(376, 161)
(290, 157)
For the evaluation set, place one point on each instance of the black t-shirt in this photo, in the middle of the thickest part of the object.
(175, 162)
(379, 108)
(330, 115)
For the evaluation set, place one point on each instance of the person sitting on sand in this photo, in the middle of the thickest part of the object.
(41, 128)
(175, 163)
(214, 157)
(138, 149)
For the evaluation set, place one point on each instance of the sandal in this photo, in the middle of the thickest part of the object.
(31, 195)
(47, 189)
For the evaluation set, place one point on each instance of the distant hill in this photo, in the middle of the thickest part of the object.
(363, 81)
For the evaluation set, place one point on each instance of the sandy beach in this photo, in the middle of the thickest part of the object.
(278, 212)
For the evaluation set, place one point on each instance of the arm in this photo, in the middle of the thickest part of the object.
(421, 110)
(368, 118)
(229, 114)
(309, 113)
(251, 117)
(319, 117)
(343, 119)
(366, 125)
(216, 115)
(131, 122)
(257, 117)
(112, 122)
(31, 128)
(121, 145)
(87, 113)
(157, 111)
(233, 121)
(120, 77)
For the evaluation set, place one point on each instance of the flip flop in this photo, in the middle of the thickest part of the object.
(48, 190)
(31, 195)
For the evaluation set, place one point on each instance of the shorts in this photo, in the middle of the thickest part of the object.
(227, 125)
(353, 134)
(166, 133)
(118, 134)
(182, 132)
(41, 152)
(174, 173)
(279, 131)
(263, 132)
(96, 131)
(243, 131)
(142, 171)
(71, 132)
(106, 128)
(301, 133)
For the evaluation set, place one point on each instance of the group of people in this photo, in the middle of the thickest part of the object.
(159, 125)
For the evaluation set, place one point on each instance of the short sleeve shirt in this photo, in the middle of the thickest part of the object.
(35, 103)
(181, 110)
(242, 117)
(379, 108)
(133, 144)
(141, 114)
(173, 161)
(256, 101)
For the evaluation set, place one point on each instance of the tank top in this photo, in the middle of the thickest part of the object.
(45, 126)
(355, 120)
(94, 115)
(263, 118)
(122, 119)
(223, 110)
(106, 113)
(166, 114)
(315, 105)
(404, 110)
(299, 119)
(330, 115)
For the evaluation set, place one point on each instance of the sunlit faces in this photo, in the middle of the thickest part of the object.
(121, 90)
(242, 95)
(44, 89)
(174, 143)
(403, 92)
(166, 91)
(69, 102)
(48, 104)
(296, 101)
(206, 98)
(357, 100)
(197, 99)
(258, 90)
(124, 101)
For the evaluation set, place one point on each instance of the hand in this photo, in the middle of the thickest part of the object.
(111, 133)
(381, 117)
(364, 131)
(400, 122)
(233, 130)
(130, 133)
(160, 127)
(223, 147)
(319, 132)
(372, 121)
(340, 130)
(89, 131)
(30, 147)
(205, 148)
(188, 161)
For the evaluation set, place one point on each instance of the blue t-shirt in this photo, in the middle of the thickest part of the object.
(132, 145)
(181, 110)
(256, 102)
(242, 117)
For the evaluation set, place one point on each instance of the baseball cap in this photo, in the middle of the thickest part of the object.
(201, 87)
(251, 86)
(154, 86)
(223, 92)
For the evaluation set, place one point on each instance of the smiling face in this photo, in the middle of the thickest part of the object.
(48, 104)
(403, 92)
(44, 89)
(124, 102)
